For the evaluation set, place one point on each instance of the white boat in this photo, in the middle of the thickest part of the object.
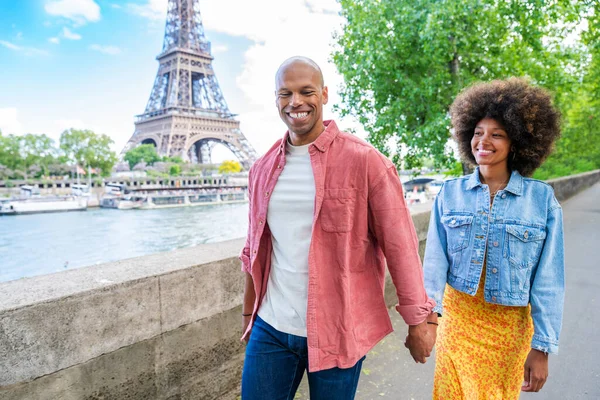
(191, 199)
(117, 196)
(31, 202)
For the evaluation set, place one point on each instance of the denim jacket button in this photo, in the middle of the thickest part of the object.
(495, 244)
(453, 221)
(494, 270)
(526, 234)
(503, 195)
(493, 298)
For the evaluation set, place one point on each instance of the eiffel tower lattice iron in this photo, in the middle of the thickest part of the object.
(186, 114)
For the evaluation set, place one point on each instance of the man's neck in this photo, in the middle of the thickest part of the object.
(301, 140)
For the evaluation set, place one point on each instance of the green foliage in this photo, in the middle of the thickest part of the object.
(404, 62)
(578, 150)
(174, 159)
(175, 170)
(230, 167)
(28, 153)
(144, 152)
(86, 148)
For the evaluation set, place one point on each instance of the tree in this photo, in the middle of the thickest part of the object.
(10, 155)
(37, 150)
(174, 170)
(230, 167)
(144, 152)
(88, 149)
(577, 149)
(404, 61)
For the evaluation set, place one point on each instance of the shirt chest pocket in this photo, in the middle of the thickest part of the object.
(524, 245)
(458, 231)
(337, 211)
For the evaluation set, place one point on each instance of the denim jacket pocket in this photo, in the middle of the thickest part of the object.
(337, 211)
(524, 245)
(458, 229)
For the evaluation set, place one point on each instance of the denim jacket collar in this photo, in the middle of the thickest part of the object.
(323, 141)
(515, 184)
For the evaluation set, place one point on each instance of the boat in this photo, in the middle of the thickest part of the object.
(31, 201)
(190, 197)
(117, 196)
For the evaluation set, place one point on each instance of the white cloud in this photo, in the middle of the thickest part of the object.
(54, 40)
(302, 27)
(10, 45)
(67, 34)
(110, 50)
(9, 121)
(221, 48)
(155, 10)
(79, 11)
(28, 51)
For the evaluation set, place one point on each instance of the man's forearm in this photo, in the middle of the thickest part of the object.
(249, 295)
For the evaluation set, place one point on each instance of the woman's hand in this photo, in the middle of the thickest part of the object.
(535, 372)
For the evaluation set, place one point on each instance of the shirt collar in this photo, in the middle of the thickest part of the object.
(515, 184)
(323, 141)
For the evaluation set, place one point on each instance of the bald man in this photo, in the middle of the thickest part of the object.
(326, 213)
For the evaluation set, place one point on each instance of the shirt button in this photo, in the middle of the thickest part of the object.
(493, 298)
(495, 244)
(267, 194)
(260, 222)
(494, 270)
(254, 251)
(279, 167)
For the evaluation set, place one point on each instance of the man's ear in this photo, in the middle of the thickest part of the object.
(325, 94)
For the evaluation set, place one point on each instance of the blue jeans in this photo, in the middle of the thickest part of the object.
(275, 363)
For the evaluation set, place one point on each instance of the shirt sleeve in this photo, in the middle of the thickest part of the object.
(245, 253)
(391, 224)
(548, 286)
(436, 262)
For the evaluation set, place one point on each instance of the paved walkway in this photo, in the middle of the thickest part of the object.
(390, 373)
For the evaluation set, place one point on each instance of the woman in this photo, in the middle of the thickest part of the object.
(495, 248)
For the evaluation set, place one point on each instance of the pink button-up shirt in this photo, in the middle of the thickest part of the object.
(360, 221)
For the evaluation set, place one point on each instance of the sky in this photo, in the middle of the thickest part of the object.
(91, 63)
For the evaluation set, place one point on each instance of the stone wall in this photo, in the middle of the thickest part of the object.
(164, 326)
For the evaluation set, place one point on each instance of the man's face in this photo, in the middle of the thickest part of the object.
(299, 98)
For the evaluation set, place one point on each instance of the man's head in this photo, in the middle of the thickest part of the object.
(300, 94)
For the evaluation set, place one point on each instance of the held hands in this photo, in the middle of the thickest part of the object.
(420, 341)
(535, 371)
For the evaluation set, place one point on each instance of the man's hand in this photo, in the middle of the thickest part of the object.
(245, 321)
(535, 371)
(419, 342)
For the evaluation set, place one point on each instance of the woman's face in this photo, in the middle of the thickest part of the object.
(490, 144)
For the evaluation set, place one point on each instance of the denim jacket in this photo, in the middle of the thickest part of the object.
(523, 235)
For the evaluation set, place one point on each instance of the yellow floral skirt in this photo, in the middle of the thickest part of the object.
(481, 348)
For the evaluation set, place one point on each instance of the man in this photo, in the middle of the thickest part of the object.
(325, 207)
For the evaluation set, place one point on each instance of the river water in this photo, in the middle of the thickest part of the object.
(44, 243)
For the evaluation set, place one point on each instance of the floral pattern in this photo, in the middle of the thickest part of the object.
(481, 348)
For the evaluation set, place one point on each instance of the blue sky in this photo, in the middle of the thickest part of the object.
(91, 63)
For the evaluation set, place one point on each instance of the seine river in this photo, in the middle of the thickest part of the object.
(44, 243)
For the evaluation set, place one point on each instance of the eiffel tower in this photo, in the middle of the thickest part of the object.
(186, 114)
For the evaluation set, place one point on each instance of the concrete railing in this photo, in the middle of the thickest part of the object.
(164, 326)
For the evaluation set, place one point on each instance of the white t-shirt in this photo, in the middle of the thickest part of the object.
(290, 218)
